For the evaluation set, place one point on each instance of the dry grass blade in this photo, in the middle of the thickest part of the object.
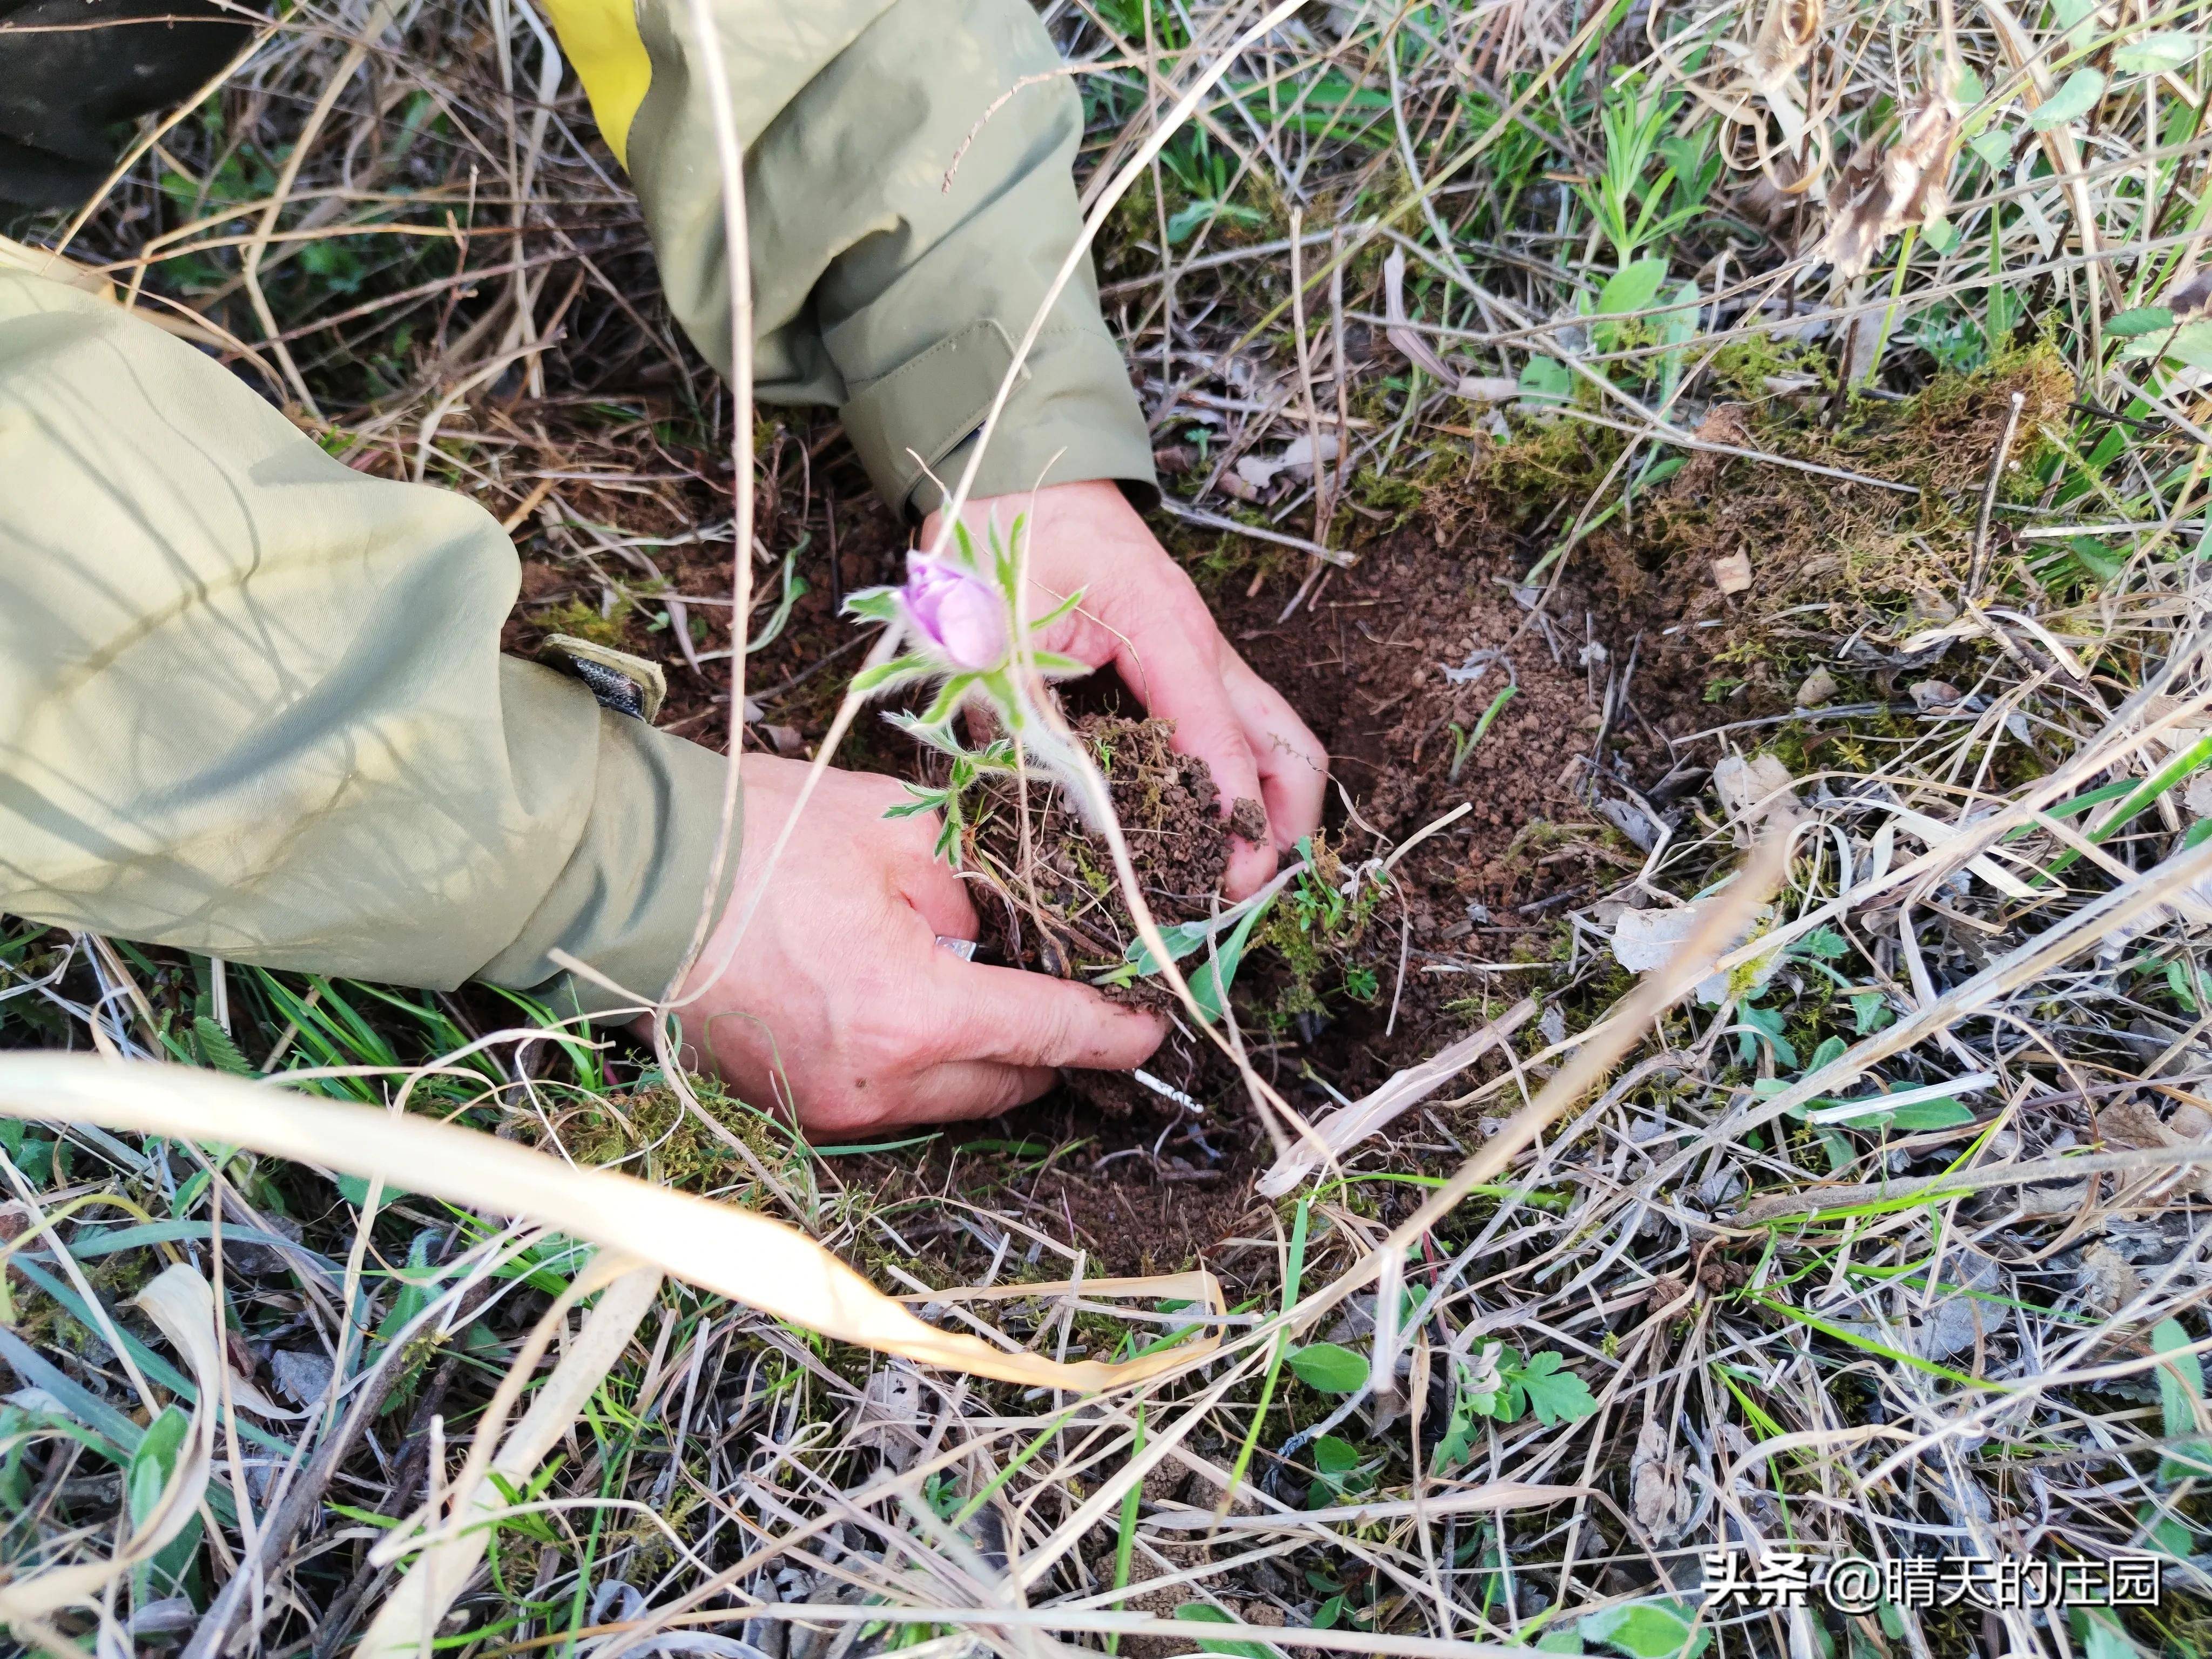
(721, 1248)
(407, 1622)
(180, 1303)
(1346, 1127)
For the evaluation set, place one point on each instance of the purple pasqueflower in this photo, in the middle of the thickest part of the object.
(957, 611)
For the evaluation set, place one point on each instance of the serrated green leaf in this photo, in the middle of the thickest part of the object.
(1994, 147)
(876, 604)
(1209, 986)
(899, 671)
(1944, 1112)
(1334, 1456)
(154, 1461)
(2097, 560)
(1328, 1367)
(2177, 981)
(1555, 1394)
(1058, 610)
(221, 1053)
(145, 1478)
(2143, 319)
(2076, 21)
(946, 703)
(1870, 1012)
(2169, 1534)
(1827, 944)
(2180, 1386)
(1655, 1629)
(2191, 344)
(2076, 98)
(354, 1190)
(2101, 1636)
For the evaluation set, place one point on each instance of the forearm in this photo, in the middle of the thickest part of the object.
(252, 701)
(887, 281)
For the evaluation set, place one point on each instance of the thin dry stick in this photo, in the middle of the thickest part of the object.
(1306, 390)
(281, 192)
(1821, 1201)
(1989, 495)
(408, 1619)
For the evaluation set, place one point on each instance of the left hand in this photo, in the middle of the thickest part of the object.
(1141, 613)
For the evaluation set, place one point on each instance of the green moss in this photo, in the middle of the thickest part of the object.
(652, 1134)
(583, 622)
(1742, 367)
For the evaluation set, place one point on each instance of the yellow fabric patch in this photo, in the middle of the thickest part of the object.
(602, 41)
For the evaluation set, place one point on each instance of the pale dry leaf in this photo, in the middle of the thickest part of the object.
(1348, 1126)
(1658, 1486)
(1883, 189)
(1645, 939)
(1732, 572)
(2130, 1122)
(2190, 301)
(888, 1420)
(1784, 181)
(2108, 1278)
(2134, 1124)
(1767, 70)
(1296, 459)
(1785, 40)
(302, 1373)
(1753, 790)
(1934, 694)
(180, 1303)
(1416, 350)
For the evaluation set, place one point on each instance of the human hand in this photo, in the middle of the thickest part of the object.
(837, 1001)
(1141, 613)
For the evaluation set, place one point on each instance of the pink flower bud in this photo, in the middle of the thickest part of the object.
(956, 611)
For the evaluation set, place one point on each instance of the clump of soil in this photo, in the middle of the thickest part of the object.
(1055, 904)
(1630, 672)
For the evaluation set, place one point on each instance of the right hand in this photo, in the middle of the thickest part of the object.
(836, 1000)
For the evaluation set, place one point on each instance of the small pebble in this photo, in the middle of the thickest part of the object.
(1820, 687)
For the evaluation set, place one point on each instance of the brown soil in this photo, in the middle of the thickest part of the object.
(1394, 664)
(1058, 908)
(1117, 1166)
(1143, 1183)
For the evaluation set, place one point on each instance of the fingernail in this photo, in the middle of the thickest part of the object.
(962, 948)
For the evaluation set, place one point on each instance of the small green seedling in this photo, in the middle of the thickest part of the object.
(969, 768)
(1463, 741)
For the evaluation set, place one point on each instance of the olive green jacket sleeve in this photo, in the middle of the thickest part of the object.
(251, 700)
(909, 196)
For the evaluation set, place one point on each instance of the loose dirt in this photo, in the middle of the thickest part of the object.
(1597, 679)
(1393, 663)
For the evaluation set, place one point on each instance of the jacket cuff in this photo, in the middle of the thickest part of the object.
(1073, 416)
(627, 902)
